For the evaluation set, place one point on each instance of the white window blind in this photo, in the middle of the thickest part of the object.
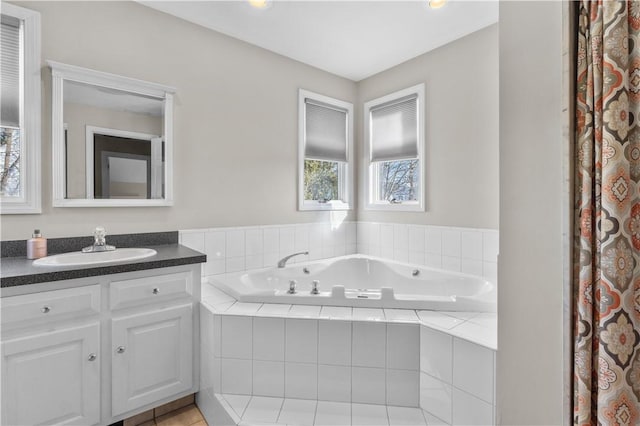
(325, 132)
(394, 130)
(10, 71)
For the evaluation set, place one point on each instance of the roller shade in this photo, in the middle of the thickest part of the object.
(10, 71)
(325, 132)
(394, 130)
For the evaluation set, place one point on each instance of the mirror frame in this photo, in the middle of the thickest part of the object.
(61, 72)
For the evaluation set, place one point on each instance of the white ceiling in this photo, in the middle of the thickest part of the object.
(353, 39)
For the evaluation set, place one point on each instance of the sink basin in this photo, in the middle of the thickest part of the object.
(77, 258)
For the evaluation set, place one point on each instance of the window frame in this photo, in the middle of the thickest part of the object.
(345, 171)
(30, 116)
(371, 181)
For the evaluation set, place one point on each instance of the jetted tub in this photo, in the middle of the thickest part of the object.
(362, 281)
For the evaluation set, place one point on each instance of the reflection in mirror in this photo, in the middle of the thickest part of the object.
(104, 126)
(114, 139)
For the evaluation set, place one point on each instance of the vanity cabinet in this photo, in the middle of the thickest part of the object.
(102, 349)
(50, 357)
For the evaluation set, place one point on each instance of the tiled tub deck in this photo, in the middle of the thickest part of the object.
(321, 365)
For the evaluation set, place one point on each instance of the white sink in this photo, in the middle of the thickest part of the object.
(77, 258)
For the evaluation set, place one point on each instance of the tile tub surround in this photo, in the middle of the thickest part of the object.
(388, 358)
(468, 250)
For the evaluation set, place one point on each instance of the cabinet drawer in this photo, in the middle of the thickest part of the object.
(50, 305)
(147, 290)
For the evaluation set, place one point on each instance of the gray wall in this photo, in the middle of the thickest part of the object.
(532, 193)
(235, 118)
(461, 131)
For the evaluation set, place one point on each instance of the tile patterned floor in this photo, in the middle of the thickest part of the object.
(287, 411)
(185, 416)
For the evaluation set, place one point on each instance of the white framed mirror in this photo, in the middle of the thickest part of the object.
(112, 139)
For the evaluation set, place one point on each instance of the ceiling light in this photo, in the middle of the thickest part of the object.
(436, 4)
(260, 4)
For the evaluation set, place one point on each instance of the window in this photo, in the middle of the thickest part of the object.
(325, 153)
(19, 110)
(394, 147)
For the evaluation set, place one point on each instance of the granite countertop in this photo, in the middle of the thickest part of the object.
(18, 270)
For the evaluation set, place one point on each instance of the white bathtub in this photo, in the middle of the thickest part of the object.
(362, 281)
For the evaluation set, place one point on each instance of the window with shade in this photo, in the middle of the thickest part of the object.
(325, 151)
(19, 110)
(394, 128)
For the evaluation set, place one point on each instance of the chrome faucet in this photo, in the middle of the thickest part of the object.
(99, 241)
(283, 262)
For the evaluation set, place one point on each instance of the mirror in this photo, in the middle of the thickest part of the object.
(112, 141)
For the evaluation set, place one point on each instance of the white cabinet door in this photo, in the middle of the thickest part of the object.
(151, 357)
(52, 377)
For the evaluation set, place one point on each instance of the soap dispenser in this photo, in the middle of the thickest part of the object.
(36, 246)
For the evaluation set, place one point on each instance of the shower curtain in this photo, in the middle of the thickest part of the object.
(606, 288)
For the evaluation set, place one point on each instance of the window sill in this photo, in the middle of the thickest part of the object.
(401, 207)
(330, 206)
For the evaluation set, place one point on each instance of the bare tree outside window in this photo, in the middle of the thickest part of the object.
(399, 180)
(320, 180)
(9, 162)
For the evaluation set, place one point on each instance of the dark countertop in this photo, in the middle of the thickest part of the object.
(16, 271)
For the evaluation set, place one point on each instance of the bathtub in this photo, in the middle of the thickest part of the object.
(362, 281)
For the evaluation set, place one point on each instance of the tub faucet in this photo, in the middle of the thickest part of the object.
(99, 241)
(283, 262)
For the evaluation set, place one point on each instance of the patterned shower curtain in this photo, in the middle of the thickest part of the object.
(607, 219)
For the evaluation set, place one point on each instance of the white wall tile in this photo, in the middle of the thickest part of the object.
(217, 335)
(234, 264)
(301, 380)
(268, 339)
(336, 312)
(334, 342)
(235, 243)
(270, 259)
(236, 376)
(302, 238)
(368, 314)
(472, 245)
(363, 233)
(433, 260)
(301, 341)
(403, 388)
(386, 241)
(490, 246)
(451, 263)
(471, 266)
(304, 311)
(451, 241)
(214, 267)
(436, 397)
(436, 354)
(236, 337)
(271, 240)
(351, 249)
(255, 261)
(237, 403)
(473, 369)
(350, 233)
(206, 329)
(369, 343)
(374, 234)
(469, 410)
(416, 238)
(416, 257)
(433, 240)
(433, 420)
(193, 239)
(401, 243)
(403, 346)
(253, 242)
(334, 383)
(287, 240)
(215, 243)
(268, 378)
(368, 385)
(274, 309)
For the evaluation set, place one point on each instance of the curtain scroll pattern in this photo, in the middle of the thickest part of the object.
(607, 215)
